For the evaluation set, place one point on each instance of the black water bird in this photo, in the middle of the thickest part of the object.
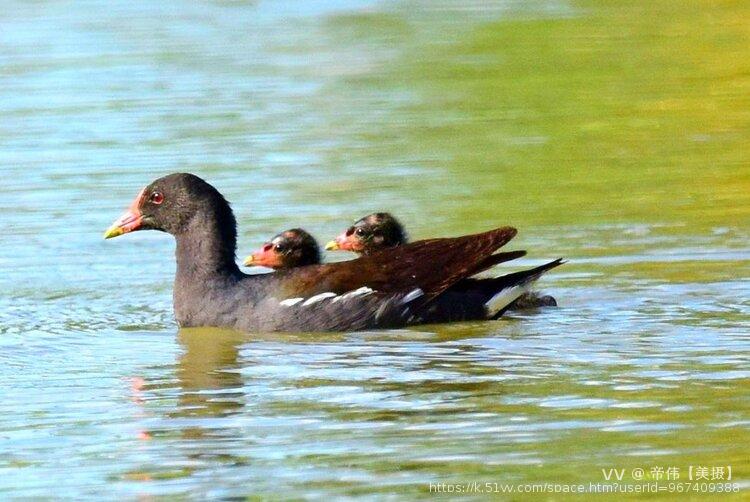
(392, 288)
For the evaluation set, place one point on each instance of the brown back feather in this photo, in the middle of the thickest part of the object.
(497, 259)
(432, 265)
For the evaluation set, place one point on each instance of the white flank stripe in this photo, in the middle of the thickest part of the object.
(290, 301)
(504, 298)
(317, 298)
(358, 292)
(413, 295)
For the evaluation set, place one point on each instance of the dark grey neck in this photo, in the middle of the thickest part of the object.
(206, 250)
(207, 274)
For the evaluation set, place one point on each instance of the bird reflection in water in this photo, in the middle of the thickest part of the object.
(208, 373)
(209, 389)
(207, 379)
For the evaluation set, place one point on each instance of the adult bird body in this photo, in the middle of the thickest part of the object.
(388, 289)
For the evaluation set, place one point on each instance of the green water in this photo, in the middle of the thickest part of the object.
(611, 133)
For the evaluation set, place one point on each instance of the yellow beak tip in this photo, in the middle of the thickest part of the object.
(113, 231)
(248, 261)
(332, 246)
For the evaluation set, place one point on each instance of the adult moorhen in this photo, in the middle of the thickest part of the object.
(378, 231)
(392, 288)
(288, 249)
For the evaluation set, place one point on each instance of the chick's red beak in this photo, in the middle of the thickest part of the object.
(264, 257)
(345, 242)
(130, 220)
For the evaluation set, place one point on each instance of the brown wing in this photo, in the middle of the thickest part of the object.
(497, 259)
(431, 265)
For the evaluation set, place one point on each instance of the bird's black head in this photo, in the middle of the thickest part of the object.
(173, 204)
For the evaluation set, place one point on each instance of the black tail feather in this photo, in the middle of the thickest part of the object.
(521, 278)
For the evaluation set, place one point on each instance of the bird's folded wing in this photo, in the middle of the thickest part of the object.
(359, 309)
(431, 266)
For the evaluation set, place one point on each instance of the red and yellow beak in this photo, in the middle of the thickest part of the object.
(344, 242)
(264, 257)
(130, 220)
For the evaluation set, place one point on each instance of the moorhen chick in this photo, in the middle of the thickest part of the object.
(370, 234)
(378, 231)
(388, 289)
(288, 249)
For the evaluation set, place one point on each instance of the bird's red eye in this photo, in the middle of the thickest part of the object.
(157, 198)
